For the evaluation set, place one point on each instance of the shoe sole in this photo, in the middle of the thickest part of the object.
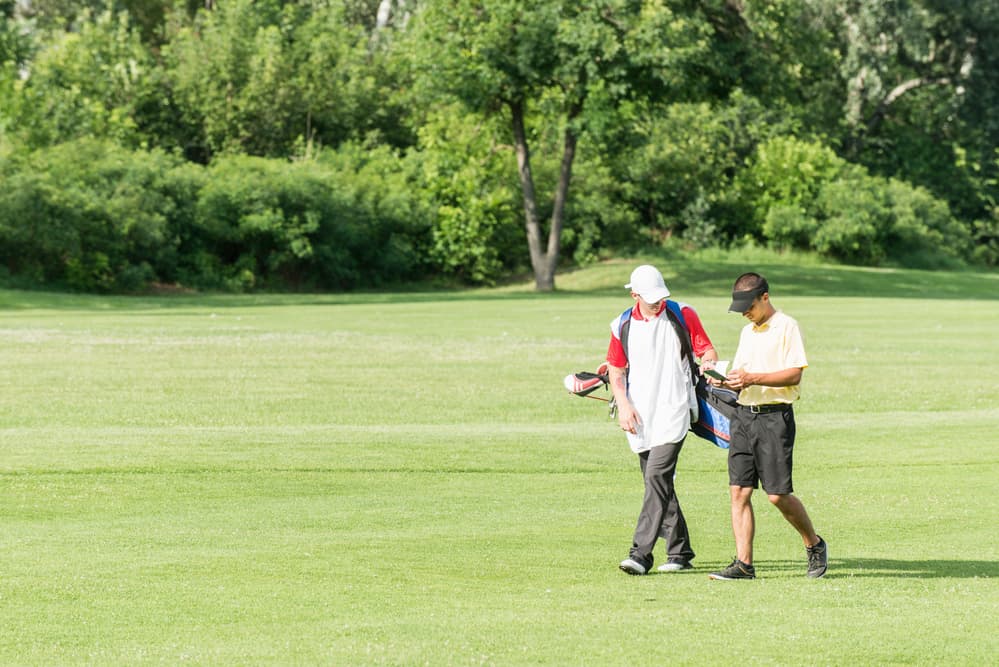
(635, 570)
(676, 568)
(718, 577)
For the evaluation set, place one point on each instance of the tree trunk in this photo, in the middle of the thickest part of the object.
(382, 17)
(543, 263)
(538, 260)
(561, 195)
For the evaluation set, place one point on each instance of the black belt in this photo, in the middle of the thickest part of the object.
(764, 409)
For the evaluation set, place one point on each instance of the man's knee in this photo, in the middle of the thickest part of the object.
(741, 494)
(785, 502)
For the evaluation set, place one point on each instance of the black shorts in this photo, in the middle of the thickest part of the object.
(761, 450)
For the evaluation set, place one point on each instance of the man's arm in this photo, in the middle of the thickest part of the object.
(703, 347)
(627, 417)
(709, 357)
(740, 379)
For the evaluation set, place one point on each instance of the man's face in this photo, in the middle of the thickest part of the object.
(649, 309)
(655, 305)
(759, 310)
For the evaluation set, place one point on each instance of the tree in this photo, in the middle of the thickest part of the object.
(86, 84)
(266, 78)
(558, 66)
(921, 84)
(13, 43)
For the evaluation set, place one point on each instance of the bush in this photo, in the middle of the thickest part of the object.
(986, 239)
(341, 222)
(92, 216)
(789, 226)
(678, 173)
(472, 190)
(852, 217)
(810, 199)
(921, 232)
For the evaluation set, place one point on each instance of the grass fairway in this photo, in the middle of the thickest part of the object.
(402, 480)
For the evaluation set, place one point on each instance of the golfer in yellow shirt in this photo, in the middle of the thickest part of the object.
(766, 371)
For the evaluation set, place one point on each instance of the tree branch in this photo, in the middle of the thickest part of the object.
(897, 92)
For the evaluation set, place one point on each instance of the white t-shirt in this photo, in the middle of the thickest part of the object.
(659, 384)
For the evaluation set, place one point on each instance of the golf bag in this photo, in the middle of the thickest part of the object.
(715, 409)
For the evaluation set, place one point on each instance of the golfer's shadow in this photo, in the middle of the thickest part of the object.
(884, 567)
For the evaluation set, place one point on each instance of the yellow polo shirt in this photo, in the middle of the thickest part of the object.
(771, 347)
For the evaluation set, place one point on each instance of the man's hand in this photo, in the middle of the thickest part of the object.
(627, 417)
(737, 380)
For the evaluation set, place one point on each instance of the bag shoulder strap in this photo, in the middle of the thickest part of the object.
(625, 327)
(675, 316)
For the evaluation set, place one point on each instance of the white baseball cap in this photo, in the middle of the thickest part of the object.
(648, 283)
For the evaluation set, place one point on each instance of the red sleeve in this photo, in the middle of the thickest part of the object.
(615, 353)
(698, 336)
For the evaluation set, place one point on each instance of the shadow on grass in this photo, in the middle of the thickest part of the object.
(690, 278)
(889, 568)
(714, 278)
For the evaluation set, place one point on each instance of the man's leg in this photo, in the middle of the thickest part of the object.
(674, 526)
(794, 511)
(658, 466)
(743, 522)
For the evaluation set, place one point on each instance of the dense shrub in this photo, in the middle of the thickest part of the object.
(986, 240)
(679, 168)
(91, 216)
(470, 185)
(811, 199)
(341, 222)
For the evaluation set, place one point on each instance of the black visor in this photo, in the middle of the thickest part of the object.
(743, 301)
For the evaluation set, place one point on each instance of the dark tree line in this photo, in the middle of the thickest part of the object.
(242, 144)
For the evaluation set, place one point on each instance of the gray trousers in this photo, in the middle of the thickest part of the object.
(661, 516)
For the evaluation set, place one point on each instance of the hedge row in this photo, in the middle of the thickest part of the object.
(92, 216)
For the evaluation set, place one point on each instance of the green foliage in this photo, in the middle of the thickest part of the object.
(212, 92)
(89, 83)
(304, 224)
(92, 216)
(985, 231)
(680, 162)
(833, 127)
(788, 172)
(986, 239)
(15, 44)
(385, 188)
(280, 76)
(468, 178)
(597, 220)
(921, 232)
(810, 198)
(920, 81)
(852, 213)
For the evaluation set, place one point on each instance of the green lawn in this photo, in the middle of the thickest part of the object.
(402, 479)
